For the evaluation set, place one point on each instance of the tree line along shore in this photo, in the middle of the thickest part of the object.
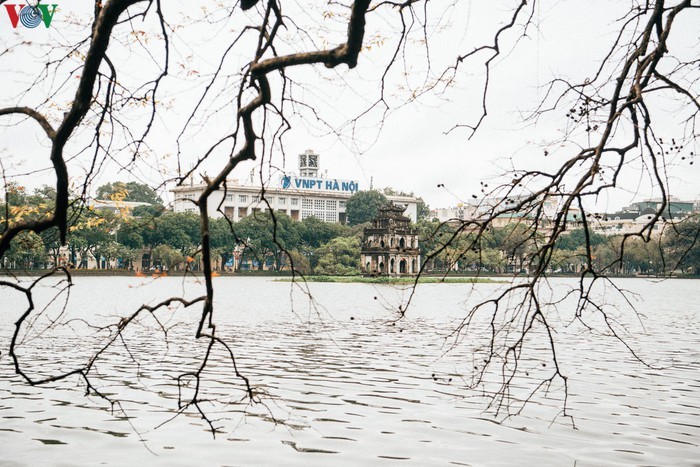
(150, 239)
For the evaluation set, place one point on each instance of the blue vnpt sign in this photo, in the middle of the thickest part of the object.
(319, 184)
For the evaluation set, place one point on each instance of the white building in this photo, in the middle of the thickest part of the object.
(461, 212)
(478, 208)
(306, 195)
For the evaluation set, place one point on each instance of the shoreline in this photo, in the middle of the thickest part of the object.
(287, 276)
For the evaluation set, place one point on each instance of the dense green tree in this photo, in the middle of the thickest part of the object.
(223, 240)
(127, 255)
(364, 206)
(134, 192)
(567, 261)
(129, 191)
(43, 195)
(301, 262)
(52, 244)
(263, 238)
(313, 233)
(683, 246)
(15, 194)
(642, 256)
(423, 210)
(92, 235)
(577, 239)
(167, 256)
(457, 252)
(179, 230)
(444, 248)
(452, 247)
(110, 251)
(27, 252)
(339, 257)
(432, 237)
(515, 241)
(130, 233)
(24, 206)
(148, 211)
(606, 255)
(221, 235)
(493, 260)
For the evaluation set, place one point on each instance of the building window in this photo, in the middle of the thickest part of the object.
(281, 201)
(188, 196)
(319, 204)
(341, 204)
(243, 198)
(256, 199)
(294, 202)
(307, 204)
(229, 198)
(331, 205)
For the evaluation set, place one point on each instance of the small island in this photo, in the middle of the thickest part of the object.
(391, 280)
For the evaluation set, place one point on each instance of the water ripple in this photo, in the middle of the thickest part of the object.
(363, 391)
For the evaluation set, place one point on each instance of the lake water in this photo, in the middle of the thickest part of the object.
(341, 382)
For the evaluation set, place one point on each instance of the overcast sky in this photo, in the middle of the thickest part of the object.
(409, 150)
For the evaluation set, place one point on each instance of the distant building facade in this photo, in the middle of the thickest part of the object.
(390, 246)
(299, 196)
(634, 217)
(628, 220)
(478, 209)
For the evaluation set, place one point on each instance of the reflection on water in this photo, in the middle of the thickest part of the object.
(341, 383)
